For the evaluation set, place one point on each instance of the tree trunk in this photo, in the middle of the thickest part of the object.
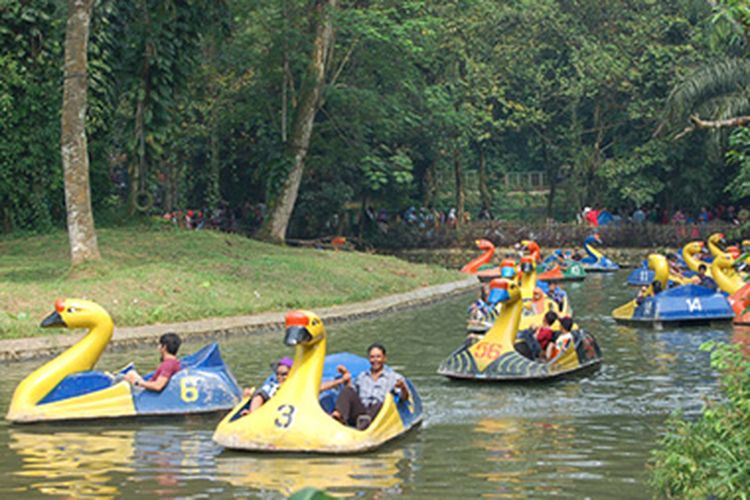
(81, 233)
(275, 226)
(484, 190)
(428, 185)
(460, 196)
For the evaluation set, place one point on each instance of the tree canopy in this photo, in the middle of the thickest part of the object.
(194, 105)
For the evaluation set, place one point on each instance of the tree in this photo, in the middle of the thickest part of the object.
(275, 226)
(74, 148)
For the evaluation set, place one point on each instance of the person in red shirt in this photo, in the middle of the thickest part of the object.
(169, 344)
(545, 335)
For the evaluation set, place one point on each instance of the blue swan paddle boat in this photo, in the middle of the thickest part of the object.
(682, 305)
(595, 261)
(67, 388)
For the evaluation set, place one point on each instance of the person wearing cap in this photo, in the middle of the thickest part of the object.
(281, 368)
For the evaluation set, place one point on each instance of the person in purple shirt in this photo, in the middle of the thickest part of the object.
(362, 398)
(169, 344)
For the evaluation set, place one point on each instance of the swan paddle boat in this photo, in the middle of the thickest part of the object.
(683, 304)
(495, 358)
(551, 269)
(67, 388)
(536, 302)
(296, 419)
(732, 283)
(595, 261)
(488, 251)
(641, 275)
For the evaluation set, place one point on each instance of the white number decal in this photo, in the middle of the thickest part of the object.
(694, 304)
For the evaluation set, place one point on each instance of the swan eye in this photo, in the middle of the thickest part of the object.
(72, 310)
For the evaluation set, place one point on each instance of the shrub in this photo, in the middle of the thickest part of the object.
(710, 457)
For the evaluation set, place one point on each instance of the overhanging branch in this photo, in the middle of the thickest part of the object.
(696, 123)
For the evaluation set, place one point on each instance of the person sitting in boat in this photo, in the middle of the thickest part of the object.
(360, 401)
(643, 293)
(674, 264)
(564, 338)
(281, 368)
(169, 344)
(557, 294)
(544, 334)
(703, 279)
(259, 397)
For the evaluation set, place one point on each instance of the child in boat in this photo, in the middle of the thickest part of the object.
(544, 334)
(564, 338)
(169, 344)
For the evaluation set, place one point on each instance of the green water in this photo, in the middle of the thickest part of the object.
(585, 437)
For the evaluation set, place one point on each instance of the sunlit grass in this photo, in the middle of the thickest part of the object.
(151, 275)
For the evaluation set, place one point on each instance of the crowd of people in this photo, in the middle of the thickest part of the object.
(730, 214)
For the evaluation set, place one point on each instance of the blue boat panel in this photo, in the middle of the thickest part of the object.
(641, 276)
(685, 303)
(191, 390)
(78, 384)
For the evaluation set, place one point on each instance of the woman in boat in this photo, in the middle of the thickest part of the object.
(281, 368)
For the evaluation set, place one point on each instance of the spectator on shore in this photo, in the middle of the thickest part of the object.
(639, 217)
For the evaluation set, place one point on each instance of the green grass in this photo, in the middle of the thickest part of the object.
(156, 275)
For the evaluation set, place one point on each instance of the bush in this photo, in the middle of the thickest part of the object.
(710, 457)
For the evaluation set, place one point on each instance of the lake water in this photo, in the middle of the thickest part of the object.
(583, 437)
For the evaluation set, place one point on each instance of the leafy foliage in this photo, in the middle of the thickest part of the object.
(710, 457)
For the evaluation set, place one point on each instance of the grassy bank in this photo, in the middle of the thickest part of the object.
(152, 275)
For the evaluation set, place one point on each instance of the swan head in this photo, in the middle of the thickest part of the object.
(76, 313)
(694, 247)
(484, 244)
(723, 261)
(508, 268)
(530, 245)
(718, 238)
(303, 328)
(503, 290)
(527, 264)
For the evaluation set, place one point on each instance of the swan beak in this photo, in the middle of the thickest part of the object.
(296, 335)
(53, 319)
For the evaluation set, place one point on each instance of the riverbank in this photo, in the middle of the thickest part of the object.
(155, 275)
(454, 258)
(215, 328)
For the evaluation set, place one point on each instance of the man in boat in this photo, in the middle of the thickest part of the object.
(363, 397)
(557, 294)
(169, 344)
(703, 279)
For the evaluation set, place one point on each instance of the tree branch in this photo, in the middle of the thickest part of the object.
(696, 123)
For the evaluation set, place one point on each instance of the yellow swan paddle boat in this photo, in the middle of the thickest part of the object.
(66, 388)
(294, 420)
(495, 358)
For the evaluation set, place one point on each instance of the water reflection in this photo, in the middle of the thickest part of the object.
(341, 476)
(74, 464)
(78, 463)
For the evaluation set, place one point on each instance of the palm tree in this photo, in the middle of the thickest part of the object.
(718, 90)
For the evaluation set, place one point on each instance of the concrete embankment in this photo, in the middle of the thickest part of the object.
(213, 328)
